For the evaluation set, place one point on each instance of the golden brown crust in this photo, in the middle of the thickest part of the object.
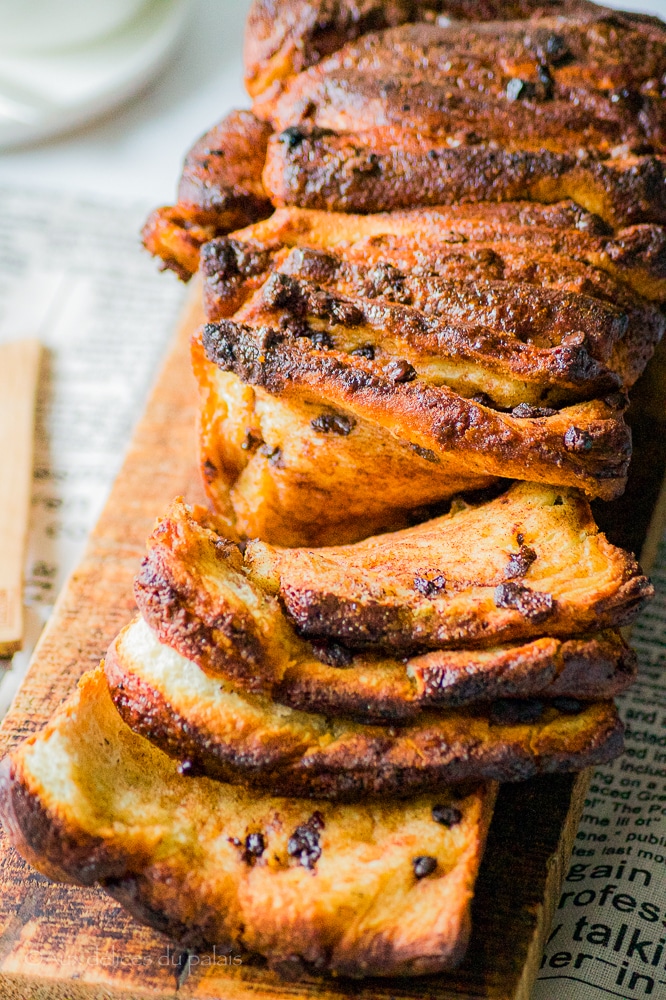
(385, 122)
(189, 584)
(557, 246)
(284, 38)
(516, 304)
(278, 478)
(514, 341)
(220, 190)
(530, 562)
(587, 445)
(314, 171)
(517, 338)
(248, 740)
(88, 801)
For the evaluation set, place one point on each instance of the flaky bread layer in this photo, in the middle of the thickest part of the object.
(88, 801)
(356, 171)
(241, 738)
(587, 445)
(221, 610)
(278, 476)
(529, 562)
(496, 302)
(283, 41)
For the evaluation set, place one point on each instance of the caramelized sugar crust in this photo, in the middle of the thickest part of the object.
(424, 114)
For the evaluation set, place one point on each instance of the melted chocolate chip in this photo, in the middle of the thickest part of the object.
(188, 768)
(218, 258)
(515, 712)
(333, 423)
(272, 454)
(333, 654)
(483, 399)
(209, 471)
(304, 841)
(429, 588)
(282, 292)
(254, 847)
(320, 339)
(253, 440)
(531, 603)
(519, 562)
(384, 279)
(365, 351)
(292, 326)
(424, 453)
(400, 370)
(524, 410)
(568, 706)
(424, 865)
(292, 137)
(345, 313)
(576, 439)
(447, 815)
(557, 49)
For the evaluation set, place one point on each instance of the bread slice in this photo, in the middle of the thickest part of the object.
(586, 445)
(390, 347)
(574, 112)
(530, 562)
(389, 255)
(277, 475)
(310, 886)
(223, 733)
(220, 610)
(427, 113)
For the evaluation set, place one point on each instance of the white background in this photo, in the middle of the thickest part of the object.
(136, 152)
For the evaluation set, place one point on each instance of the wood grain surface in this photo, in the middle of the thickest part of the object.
(62, 942)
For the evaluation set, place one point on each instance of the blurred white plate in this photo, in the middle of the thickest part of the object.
(45, 93)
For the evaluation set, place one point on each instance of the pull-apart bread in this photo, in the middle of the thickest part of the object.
(432, 350)
(375, 889)
(281, 40)
(510, 300)
(495, 592)
(358, 110)
(412, 376)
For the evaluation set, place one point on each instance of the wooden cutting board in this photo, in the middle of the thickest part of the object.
(74, 944)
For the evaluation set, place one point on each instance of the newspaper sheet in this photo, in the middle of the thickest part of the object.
(72, 271)
(608, 936)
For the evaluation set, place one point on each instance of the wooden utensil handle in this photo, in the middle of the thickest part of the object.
(19, 365)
